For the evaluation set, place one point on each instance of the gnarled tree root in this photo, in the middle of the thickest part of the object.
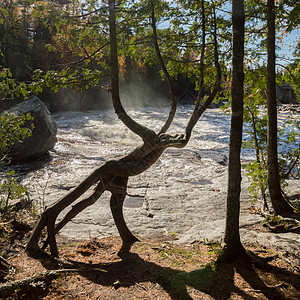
(111, 176)
(115, 184)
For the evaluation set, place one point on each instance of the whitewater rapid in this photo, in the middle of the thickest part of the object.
(183, 194)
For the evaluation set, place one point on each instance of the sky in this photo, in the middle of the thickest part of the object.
(288, 47)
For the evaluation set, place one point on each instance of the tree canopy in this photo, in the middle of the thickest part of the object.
(89, 44)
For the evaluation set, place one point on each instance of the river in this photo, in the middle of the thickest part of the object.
(183, 194)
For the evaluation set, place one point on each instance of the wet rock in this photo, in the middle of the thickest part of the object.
(43, 136)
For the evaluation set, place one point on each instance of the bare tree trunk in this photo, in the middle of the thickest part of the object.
(279, 203)
(233, 247)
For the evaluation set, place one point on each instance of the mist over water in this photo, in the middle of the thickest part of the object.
(133, 92)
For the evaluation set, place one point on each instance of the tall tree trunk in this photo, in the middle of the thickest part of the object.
(279, 203)
(233, 247)
(4, 41)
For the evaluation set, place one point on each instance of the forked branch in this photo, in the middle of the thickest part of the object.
(145, 133)
(170, 81)
(113, 175)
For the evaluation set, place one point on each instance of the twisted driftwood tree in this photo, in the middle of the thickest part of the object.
(113, 175)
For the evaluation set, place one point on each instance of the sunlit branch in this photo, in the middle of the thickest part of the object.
(166, 73)
(145, 133)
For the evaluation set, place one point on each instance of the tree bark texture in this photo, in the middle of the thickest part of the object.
(233, 246)
(279, 203)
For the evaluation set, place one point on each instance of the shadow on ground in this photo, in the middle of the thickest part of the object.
(219, 283)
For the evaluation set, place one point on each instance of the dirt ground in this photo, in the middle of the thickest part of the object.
(152, 270)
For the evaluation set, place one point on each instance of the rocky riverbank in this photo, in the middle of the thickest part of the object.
(181, 198)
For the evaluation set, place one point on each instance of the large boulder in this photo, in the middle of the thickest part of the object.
(43, 136)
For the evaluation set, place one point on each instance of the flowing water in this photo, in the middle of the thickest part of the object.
(184, 192)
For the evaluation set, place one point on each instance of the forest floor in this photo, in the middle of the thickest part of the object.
(152, 270)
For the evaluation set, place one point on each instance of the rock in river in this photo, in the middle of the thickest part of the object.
(43, 136)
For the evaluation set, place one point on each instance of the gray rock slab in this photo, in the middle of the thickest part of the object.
(184, 192)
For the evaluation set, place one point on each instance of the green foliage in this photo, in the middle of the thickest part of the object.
(292, 75)
(257, 169)
(289, 145)
(9, 190)
(255, 138)
(255, 118)
(10, 88)
(289, 11)
(278, 224)
(15, 37)
(273, 220)
(12, 129)
(255, 123)
(258, 175)
(288, 151)
(67, 45)
(214, 247)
